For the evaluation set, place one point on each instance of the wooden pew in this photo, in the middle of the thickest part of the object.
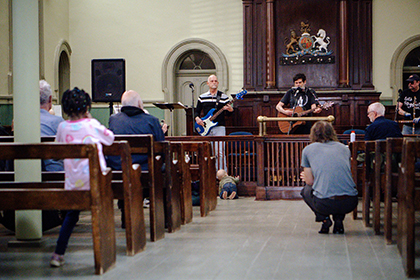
(393, 149)
(369, 181)
(181, 177)
(203, 164)
(408, 202)
(158, 157)
(126, 185)
(379, 186)
(358, 172)
(363, 173)
(51, 195)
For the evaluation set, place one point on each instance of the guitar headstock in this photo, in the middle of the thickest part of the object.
(327, 105)
(240, 95)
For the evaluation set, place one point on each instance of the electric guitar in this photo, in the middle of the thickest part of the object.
(285, 126)
(211, 116)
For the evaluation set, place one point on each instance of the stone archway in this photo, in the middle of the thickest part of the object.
(397, 63)
(61, 69)
(171, 77)
(171, 61)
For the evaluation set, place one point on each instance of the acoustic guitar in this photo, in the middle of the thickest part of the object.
(289, 126)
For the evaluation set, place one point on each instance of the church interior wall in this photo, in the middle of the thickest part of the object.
(143, 32)
(393, 23)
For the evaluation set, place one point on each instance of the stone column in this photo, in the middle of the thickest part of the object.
(26, 112)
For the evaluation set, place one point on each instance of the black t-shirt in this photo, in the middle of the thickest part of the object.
(407, 100)
(302, 98)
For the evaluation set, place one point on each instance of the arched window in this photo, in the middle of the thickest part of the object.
(411, 65)
(196, 60)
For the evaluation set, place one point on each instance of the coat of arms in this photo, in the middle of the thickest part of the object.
(307, 48)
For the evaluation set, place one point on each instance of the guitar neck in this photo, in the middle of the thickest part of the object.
(215, 115)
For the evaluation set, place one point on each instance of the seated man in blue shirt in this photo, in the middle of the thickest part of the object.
(49, 123)
(380, 128)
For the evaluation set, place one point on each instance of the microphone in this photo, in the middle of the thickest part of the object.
(192, 86)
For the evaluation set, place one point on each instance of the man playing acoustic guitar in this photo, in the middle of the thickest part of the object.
(300, 99)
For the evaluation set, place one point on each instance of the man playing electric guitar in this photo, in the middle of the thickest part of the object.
(210, 100)
(299, 96)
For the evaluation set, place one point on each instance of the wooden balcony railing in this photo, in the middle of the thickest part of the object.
(268, 166)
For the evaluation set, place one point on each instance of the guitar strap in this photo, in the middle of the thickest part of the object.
(219, 95)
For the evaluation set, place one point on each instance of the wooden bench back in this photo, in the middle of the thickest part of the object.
(49, 196)
(126, 185)
(407, 204)
(158, 161)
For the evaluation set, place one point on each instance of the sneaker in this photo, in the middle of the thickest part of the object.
(326, 224)
(146, 203)
(57, 260)
(224, 195)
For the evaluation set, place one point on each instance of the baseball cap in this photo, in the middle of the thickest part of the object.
(413, 78)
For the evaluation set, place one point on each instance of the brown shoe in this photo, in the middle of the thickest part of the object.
(232, 195)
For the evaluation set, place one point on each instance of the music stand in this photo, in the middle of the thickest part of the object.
(170, 107)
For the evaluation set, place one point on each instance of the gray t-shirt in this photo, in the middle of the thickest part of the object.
(330, 166)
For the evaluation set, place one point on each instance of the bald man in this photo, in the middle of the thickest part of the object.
(133, 120)
(214, 99)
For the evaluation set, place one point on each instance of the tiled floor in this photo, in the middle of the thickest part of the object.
(241, 239)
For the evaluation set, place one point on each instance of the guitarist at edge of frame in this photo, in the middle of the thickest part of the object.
(213, 99)
(302, 96)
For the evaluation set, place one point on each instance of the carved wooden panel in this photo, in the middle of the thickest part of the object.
(319, 14)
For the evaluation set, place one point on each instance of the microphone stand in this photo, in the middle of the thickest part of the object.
(192, 98)
(293, 112)
(414, 115)
(397, 108)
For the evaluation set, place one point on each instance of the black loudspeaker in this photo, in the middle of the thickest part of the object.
(108, 80)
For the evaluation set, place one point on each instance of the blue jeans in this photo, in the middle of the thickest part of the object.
(72, 217)
(409, 130)
(229, 188)
(219, 147)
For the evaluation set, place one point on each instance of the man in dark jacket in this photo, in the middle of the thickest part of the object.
(133, 120)
(380, 128)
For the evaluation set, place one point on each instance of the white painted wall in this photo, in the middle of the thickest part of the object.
(143, 31)
(393, 23)
(4, 46)
(56, 29)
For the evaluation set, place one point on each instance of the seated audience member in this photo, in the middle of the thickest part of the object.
(49, 123)
(380, 128)
(133, 120)
(80, 128)
(227, 185)
(329, 189)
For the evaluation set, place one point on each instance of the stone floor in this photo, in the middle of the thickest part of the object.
(241, 239)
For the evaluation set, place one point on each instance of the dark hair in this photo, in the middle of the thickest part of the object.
(322, 132)
(299, 76)
(76, 102)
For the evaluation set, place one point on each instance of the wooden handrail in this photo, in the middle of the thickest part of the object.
(263, 119)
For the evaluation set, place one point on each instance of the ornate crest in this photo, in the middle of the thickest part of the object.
(307, 48)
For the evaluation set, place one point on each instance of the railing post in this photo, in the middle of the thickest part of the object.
(260, 161)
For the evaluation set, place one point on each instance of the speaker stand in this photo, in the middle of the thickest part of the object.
(111, 108)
